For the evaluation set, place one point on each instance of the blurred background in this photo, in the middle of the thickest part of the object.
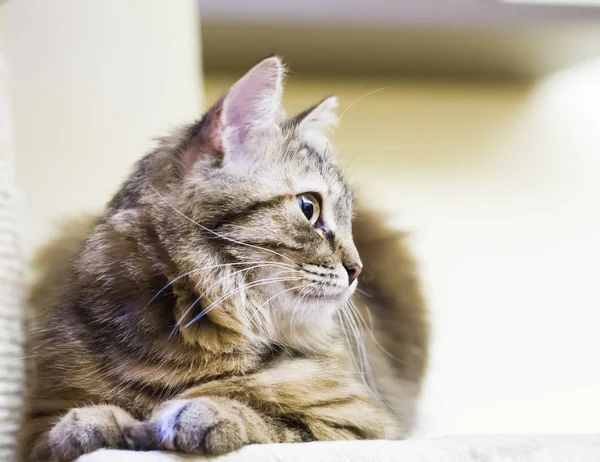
(474, 123)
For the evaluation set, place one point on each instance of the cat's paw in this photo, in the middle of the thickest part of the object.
(86, 429)
(192, 426)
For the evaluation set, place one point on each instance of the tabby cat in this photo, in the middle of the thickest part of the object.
(212, 305)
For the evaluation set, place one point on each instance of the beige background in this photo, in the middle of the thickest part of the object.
(498, 185)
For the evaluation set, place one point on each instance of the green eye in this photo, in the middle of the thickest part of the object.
(309, 205)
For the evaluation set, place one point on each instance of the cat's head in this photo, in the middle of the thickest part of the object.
(255, 209)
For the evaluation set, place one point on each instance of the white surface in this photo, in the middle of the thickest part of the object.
(456, 449)
(93, 83)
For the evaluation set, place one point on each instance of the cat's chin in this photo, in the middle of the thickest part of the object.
(309, 315)
(319, 304)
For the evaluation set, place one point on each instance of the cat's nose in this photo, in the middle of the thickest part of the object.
(353, 270)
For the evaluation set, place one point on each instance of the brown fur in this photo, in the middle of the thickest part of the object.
(108, 368)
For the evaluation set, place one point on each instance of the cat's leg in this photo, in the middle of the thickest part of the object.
(86, 429)
(300, 400)
(326, 399)
(208, 426)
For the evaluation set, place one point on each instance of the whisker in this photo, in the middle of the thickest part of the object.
(360, 99)
(341, 317)
(347, 109)
(358, 314)
(238, 290)
(215, 233)
(360, 344)
(286, 271)
(169, 284)
(372, 334)
(363, 365)
(300, 300)
(203, 269)
(262, 265)
(266, 303)
(365, 293)
(178, 323)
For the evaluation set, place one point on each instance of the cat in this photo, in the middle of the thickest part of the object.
(214, 304)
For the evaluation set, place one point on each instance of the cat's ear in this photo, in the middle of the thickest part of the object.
(253, 105)
(315, 125)
(251, 108)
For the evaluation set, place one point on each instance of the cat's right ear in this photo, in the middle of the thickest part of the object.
(315, 125)
(251, 108)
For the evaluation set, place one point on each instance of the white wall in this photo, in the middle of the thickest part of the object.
(92, 83)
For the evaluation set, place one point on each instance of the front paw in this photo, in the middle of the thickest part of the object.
(193, 426)
(86, 429)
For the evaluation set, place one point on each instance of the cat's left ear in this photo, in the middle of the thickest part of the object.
(315, 125)
(252, 106)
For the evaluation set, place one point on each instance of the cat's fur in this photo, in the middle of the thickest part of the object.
(213, 212)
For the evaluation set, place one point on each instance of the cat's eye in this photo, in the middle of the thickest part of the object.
(310, 207)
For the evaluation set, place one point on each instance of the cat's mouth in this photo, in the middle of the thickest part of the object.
(309, 285)
(321, 288)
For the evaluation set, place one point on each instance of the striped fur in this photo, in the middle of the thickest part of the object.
(202, 311)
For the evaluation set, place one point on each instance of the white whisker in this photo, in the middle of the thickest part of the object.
(262, 265)
(372, 334)
(348, 108)
(300, 299)
(267, 302)
(207, 268)
(363, 365)
(341, 317)
(215, 233)
(238, 290)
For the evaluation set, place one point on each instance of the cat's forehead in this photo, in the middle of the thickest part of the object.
(308, 170)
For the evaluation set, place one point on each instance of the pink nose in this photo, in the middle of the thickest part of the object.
(353, 269)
